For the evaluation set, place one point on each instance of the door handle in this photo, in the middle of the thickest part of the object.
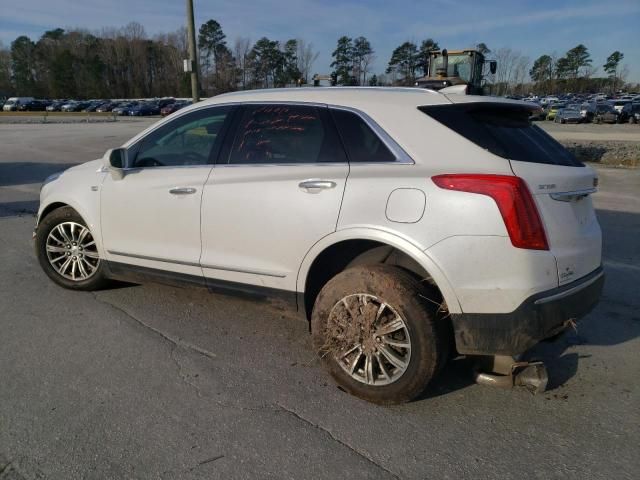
(182, 191)
(317, 184)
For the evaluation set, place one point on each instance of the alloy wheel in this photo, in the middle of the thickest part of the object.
(72, 251)
(378, 347)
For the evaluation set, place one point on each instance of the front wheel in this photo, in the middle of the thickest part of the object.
(380, 333)
(67, 251)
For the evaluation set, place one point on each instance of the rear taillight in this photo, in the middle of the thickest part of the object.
(514, 201)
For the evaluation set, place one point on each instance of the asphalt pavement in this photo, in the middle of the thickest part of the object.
(153, 381)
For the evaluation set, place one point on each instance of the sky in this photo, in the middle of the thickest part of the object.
(532, 27)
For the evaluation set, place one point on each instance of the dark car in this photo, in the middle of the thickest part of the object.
(569, 114)
(34, 106)
(74, 106)
(106, 107)
(124, 108)
(93, 105)
(144, 109)
(605, 113)
(56, 105)
(588, 110)
(163, 102)
(630, 113)
(174, 107)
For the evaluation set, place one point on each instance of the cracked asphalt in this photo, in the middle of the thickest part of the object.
(151, 381)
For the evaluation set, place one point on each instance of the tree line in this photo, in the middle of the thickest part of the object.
(126, 63)
(575, 71)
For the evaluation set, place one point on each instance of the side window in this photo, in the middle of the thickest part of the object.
(361, 142)
(187, 140)
(284, 134)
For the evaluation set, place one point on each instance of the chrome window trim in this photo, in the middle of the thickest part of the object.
(402, 157)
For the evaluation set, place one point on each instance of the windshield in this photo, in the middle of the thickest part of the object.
(458, 66)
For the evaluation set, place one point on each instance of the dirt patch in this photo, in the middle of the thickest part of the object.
(346, 327)
(619, 154)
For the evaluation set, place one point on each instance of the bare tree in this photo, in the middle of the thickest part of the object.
(306, 58)
(241, 49)
(512, 70)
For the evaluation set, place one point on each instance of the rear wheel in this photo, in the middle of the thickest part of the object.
(67, 251)
(378, 333)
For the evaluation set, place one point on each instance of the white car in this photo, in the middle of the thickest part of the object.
(403, 224)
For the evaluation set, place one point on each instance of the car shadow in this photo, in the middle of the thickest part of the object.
(22, 173)
(18, 209)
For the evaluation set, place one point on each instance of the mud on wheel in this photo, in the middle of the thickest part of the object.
(379, 334)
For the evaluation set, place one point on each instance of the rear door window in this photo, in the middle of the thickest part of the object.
(285, 134)
(504, 130)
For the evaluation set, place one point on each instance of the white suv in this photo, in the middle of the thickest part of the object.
(404, 224)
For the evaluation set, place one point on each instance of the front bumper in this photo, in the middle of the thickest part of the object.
(539, 317)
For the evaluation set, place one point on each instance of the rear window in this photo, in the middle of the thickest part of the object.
(504, 130)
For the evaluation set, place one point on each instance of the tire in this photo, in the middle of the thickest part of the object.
(49, 236)
(366, 289)
(632, 120)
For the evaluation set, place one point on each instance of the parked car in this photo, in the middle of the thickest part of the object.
(629, 113)
(553, 110)
(12, 103)
(399, 245)
(163, 102)
(144, 109)
(106, 107)
(569, 114)
(93, 106)
(124, 108)
(173, 107)
(56, 105)
(605, 113)
(618, 104)
(587, 111)
(74, 106)
(34, 106)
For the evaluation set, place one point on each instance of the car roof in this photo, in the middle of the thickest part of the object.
(356, 97)
(342, 96)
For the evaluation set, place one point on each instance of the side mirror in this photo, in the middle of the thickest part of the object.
(116, 161)
(493, 67)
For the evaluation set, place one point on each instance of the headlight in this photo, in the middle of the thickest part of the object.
(50, 179)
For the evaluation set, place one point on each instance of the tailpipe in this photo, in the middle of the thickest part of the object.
(506, 372)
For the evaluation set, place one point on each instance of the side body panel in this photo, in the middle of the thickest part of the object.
(258, 223)
(144, 224)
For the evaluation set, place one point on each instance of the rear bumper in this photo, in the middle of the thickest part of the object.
(539, 317)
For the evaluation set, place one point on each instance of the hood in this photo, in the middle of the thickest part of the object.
(92, 165)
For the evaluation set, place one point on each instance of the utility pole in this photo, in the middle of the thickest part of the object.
(193, 59)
